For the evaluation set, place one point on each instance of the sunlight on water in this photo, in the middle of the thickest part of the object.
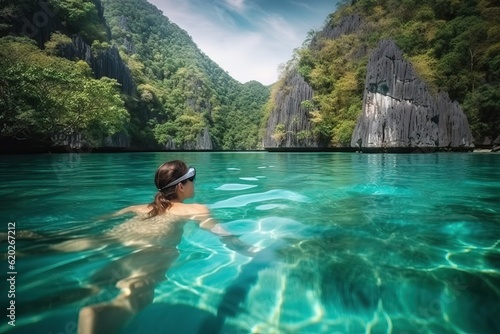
(349, 243)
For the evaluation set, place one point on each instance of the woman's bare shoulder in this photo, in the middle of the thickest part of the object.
(198, 208)
(138, 209)
(189, 210)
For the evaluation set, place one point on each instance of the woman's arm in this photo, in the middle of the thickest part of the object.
(206, 222)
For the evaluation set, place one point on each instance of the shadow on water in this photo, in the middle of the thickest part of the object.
(168, 318)
(354, 274)
(187, 319)
(410, 282)
(359, 276)
(155, 318)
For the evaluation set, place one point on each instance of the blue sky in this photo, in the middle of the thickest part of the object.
(248, 38)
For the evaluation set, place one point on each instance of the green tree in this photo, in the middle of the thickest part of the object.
(46, 96)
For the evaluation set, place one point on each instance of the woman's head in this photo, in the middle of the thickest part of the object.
(174, 181)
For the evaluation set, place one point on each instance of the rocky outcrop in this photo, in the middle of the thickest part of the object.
(105, 62)
(347, 25)
(203, 143)
(126, 41)
(37, 20)
(496, 145)
(42, 20)
(78, 142)
(288, 124)
(401, 114)
(119, 140)
(73, 141)
(100, 14)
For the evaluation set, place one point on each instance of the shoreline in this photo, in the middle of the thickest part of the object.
(281, 150)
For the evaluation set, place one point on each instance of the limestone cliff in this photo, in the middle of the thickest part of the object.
(288, 124)
(347, 25)
(41, 20)
(400, 113)
(203, 142)
(105, 62)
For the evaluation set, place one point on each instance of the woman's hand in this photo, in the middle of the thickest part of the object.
(234, 243)
(206, 222)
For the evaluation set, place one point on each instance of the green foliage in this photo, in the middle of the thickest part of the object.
(184, 129)
(80, 17)
(279, 134)
(56, 41)
(175, 79)
(483, 111)
(43, 96)
(453, 45)
(337, 81)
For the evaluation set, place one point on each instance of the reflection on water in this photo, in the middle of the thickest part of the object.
(350, 243)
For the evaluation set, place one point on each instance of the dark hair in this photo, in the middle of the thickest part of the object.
(166, 173)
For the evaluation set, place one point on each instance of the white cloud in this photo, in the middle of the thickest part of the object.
(250, 54)
(238, 5)
(303, 5)
(224, 17)
(278, 28)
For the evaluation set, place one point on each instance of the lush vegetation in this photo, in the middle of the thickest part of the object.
(180, 91)
(46, 97)
(454, 46)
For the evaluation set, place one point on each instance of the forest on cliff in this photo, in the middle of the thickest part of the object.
(178, 92)
(453, 45)
(91, 70)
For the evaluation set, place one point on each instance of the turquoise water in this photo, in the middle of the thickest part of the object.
(351, 243)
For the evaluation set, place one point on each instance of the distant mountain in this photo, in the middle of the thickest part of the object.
(191, 101)
(119, 75)
(163, 92)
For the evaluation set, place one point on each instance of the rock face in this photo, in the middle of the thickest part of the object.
(104, 63)
(203, 143)
(288, 125)
(77, 141)
(401, 114)
(119, 140)
(347, 25)
(42, 21)
(39, 23)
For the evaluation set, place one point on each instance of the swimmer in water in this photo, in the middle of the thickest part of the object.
(157, 229)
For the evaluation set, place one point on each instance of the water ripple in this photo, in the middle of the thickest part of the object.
(243, 200)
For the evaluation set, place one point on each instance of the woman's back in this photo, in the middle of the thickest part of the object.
(162, 230)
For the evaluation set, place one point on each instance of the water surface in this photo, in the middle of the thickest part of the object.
(351, 243)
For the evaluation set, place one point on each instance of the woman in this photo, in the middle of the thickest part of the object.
(157, 229)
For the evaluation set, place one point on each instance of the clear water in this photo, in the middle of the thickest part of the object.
(352, 243)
